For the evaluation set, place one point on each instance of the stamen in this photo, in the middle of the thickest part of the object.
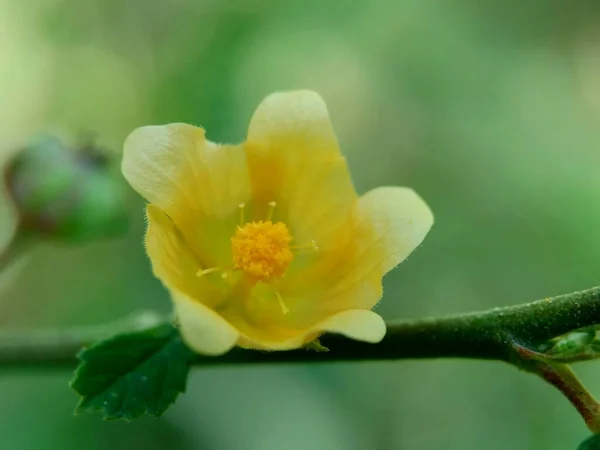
(306, 248)
(242, 219)
(284, 309)
(272, 206)
(203, 272)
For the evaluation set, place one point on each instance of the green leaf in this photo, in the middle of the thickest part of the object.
(593, 443)
(133, 373)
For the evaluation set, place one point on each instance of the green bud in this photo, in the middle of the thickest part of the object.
(572, 343)
(64, 192)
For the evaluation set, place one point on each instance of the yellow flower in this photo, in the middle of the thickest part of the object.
(266, 244)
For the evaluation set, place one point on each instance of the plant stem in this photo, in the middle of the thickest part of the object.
(58, 348)
(562, 377)
(491, 335)
(510, 334)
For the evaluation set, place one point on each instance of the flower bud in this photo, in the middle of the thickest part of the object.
(65, 192)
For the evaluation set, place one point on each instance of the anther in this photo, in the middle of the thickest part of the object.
(272, 206)
(242, 219)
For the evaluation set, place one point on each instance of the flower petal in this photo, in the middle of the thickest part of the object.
(202, 329)
(174, 264)
(399, 221)
(172, 261)
(388, 224)
(294, 159)
(293, 121)
(358, 324)
(158, 162)
(199, 184)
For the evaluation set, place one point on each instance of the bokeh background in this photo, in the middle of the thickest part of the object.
(490, 110)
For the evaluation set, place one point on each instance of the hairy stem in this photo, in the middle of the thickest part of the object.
(492, 335)
(562, 377)
(510, 334)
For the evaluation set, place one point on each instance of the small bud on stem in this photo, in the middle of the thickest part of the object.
(66, 193)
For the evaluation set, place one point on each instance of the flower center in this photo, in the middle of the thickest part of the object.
(262, 249)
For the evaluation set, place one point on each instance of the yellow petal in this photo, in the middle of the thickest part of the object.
(202, 329)
(294, 159)
(172, 261)
(193, 297)
(357, 324)
(399, 221)
(389, 223)
(199, 184)
(158, 162)
(293, 121)
(175, 265)
(360, 325)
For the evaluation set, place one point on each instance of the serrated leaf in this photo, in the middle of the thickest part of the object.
(133, 373)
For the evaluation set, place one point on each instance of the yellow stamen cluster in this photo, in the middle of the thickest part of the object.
(262, 249)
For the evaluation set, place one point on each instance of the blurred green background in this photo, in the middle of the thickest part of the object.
(490, 110)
